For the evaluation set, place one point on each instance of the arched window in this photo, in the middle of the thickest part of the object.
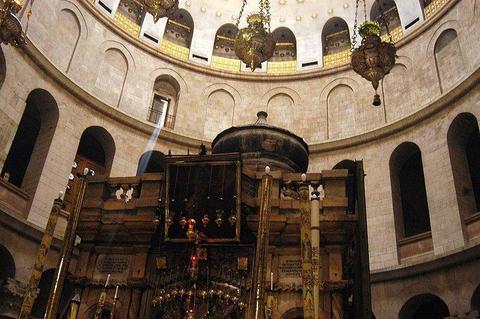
(7, 265)
(408, 191)
(351, 183)
(164, 101)
(224, 41)
(31, 143)
(336, 43)
(285, 45)
(95, 151)
(448, 59)
(464, 146)
(425, 306)
(179, 29)
(475, 301)
(130, 15)
(385, 11)
(151, 162)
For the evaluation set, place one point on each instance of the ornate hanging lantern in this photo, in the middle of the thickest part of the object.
(10, 27)
(161, 8)
(254, 44)
(374, 58)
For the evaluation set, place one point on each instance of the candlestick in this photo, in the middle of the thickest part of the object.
(271, 280)
(108, 279)
(116, 293)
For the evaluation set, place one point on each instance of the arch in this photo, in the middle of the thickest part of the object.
(151, 162)
(3, 68)
(281, 110)
(409, 194)
(219, 113)
(72, 6)
(164, 103)
(448, 59)
(338, 81)
(336, 42)
(397, 96)
(293, 313)
(463, 139)
(340, 112)
(351, 189)
(112, 76)
(179, 29)
(285, 45)
(30, 146)
(224, 41)
(424, 306)
(281, 90)
(7, 265)
(96, 151)
(69, 36)
(475, 301)
(385, 11)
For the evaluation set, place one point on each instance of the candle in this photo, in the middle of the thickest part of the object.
(116, 292)
(108, 279)
(271, 280)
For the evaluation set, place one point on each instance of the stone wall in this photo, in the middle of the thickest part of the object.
(100, 78)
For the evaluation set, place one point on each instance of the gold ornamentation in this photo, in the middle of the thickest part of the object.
(374, 58)
(10, 27)
(161, 8)
(254, 44)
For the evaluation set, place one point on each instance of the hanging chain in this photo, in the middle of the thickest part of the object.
(241, 13)
(355, 26)
(364, 10)
(266, 7)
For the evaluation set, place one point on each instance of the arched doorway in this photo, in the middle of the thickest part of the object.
(425, 306)
(294, 313)
(95, 151)
(7, 265)
(151, 162)
(475, 302)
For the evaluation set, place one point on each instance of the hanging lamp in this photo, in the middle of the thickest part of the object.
(374, 58)
(10, 26)
(161, 8)
(254, 44)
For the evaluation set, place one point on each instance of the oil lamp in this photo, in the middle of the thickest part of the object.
(254, 44)
(374, 58)
(10, 27)
(161, 8)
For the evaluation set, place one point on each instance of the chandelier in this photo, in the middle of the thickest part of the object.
(254, 44)
(374, 58)
(10, 27)
(161, 8)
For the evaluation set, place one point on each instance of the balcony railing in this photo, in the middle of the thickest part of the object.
(169, 121)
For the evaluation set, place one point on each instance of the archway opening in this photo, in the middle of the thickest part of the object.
(225, 41)
(166, 92)
(425, 306)
(30, 146)
(408, 191)
(7, 265)
(475, 301)
(151, 162)
(179, 29)
(285, 45)
(336, 42)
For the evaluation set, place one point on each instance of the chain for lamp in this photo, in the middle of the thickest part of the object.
(241, 13)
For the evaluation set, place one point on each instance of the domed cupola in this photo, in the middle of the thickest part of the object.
(262, 144)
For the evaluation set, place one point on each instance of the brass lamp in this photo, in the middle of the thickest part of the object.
(161, 8)
(374, 58)
(10, 27)
(254, 44)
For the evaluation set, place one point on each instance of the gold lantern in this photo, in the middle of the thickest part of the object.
(10, 27)
(374, 58)
(161, 8)
(254, 44)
